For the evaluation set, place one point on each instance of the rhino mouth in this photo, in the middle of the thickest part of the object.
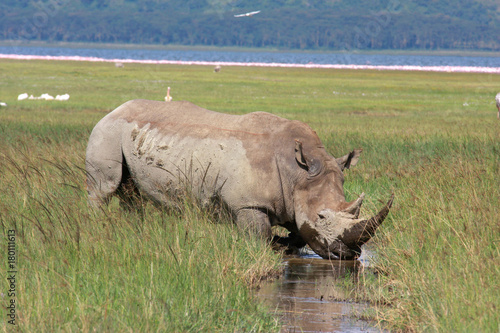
(335, 250)
(341, 235)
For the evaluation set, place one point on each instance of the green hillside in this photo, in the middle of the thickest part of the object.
(290, 24)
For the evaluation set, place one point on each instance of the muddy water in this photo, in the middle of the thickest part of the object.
(306, 297)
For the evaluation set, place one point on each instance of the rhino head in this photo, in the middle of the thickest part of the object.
(325, 221)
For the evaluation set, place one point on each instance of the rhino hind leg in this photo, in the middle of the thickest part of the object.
(254, 221)
(103, 179)
(104, 165)
(113, 178)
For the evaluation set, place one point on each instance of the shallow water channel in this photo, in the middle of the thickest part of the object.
(306, 297)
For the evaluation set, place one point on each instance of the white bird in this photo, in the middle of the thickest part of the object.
(64, 97)
(168, 98)
(248, 14)
(217, 69)
(46, 97)
(22, 96)
(3, 104)
(497, 99)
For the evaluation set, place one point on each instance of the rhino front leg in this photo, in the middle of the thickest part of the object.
(293, 240)
(255, 221)
(290, 245)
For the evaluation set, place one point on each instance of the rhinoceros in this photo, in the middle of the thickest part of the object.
(263, 169)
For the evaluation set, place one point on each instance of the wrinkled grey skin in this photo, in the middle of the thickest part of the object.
(264, 169)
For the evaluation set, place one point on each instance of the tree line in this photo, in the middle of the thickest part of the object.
(290, 24)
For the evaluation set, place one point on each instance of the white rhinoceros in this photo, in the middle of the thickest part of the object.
(264, 169)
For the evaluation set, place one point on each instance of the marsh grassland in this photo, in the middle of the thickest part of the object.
(431, 138)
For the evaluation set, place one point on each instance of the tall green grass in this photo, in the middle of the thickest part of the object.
(443, 248)
(80, 270)
(110, 270)
(437, 254)
(431, 138)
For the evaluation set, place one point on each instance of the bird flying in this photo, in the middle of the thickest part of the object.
(248, 14)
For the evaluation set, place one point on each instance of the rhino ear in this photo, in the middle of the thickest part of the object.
(312, 166)
(299, 156)
(351, 159)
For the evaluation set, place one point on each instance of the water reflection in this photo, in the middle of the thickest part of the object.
(306, 297)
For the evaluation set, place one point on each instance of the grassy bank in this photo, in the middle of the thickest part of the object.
(431, 138)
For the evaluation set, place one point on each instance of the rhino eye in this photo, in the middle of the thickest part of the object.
(314, 168)
(321, 216)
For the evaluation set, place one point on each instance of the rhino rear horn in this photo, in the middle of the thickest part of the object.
(355, 207)
(362, 231)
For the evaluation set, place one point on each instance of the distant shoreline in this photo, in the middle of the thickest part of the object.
(448, 69)
(463, 53)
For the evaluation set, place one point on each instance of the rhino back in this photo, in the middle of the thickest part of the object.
(174, 146)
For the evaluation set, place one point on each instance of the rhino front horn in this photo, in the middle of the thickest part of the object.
(362, 231)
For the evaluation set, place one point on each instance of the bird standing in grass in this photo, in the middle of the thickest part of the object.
(497, 99)
(168, 98)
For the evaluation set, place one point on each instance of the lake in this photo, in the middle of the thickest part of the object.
(262, 58)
